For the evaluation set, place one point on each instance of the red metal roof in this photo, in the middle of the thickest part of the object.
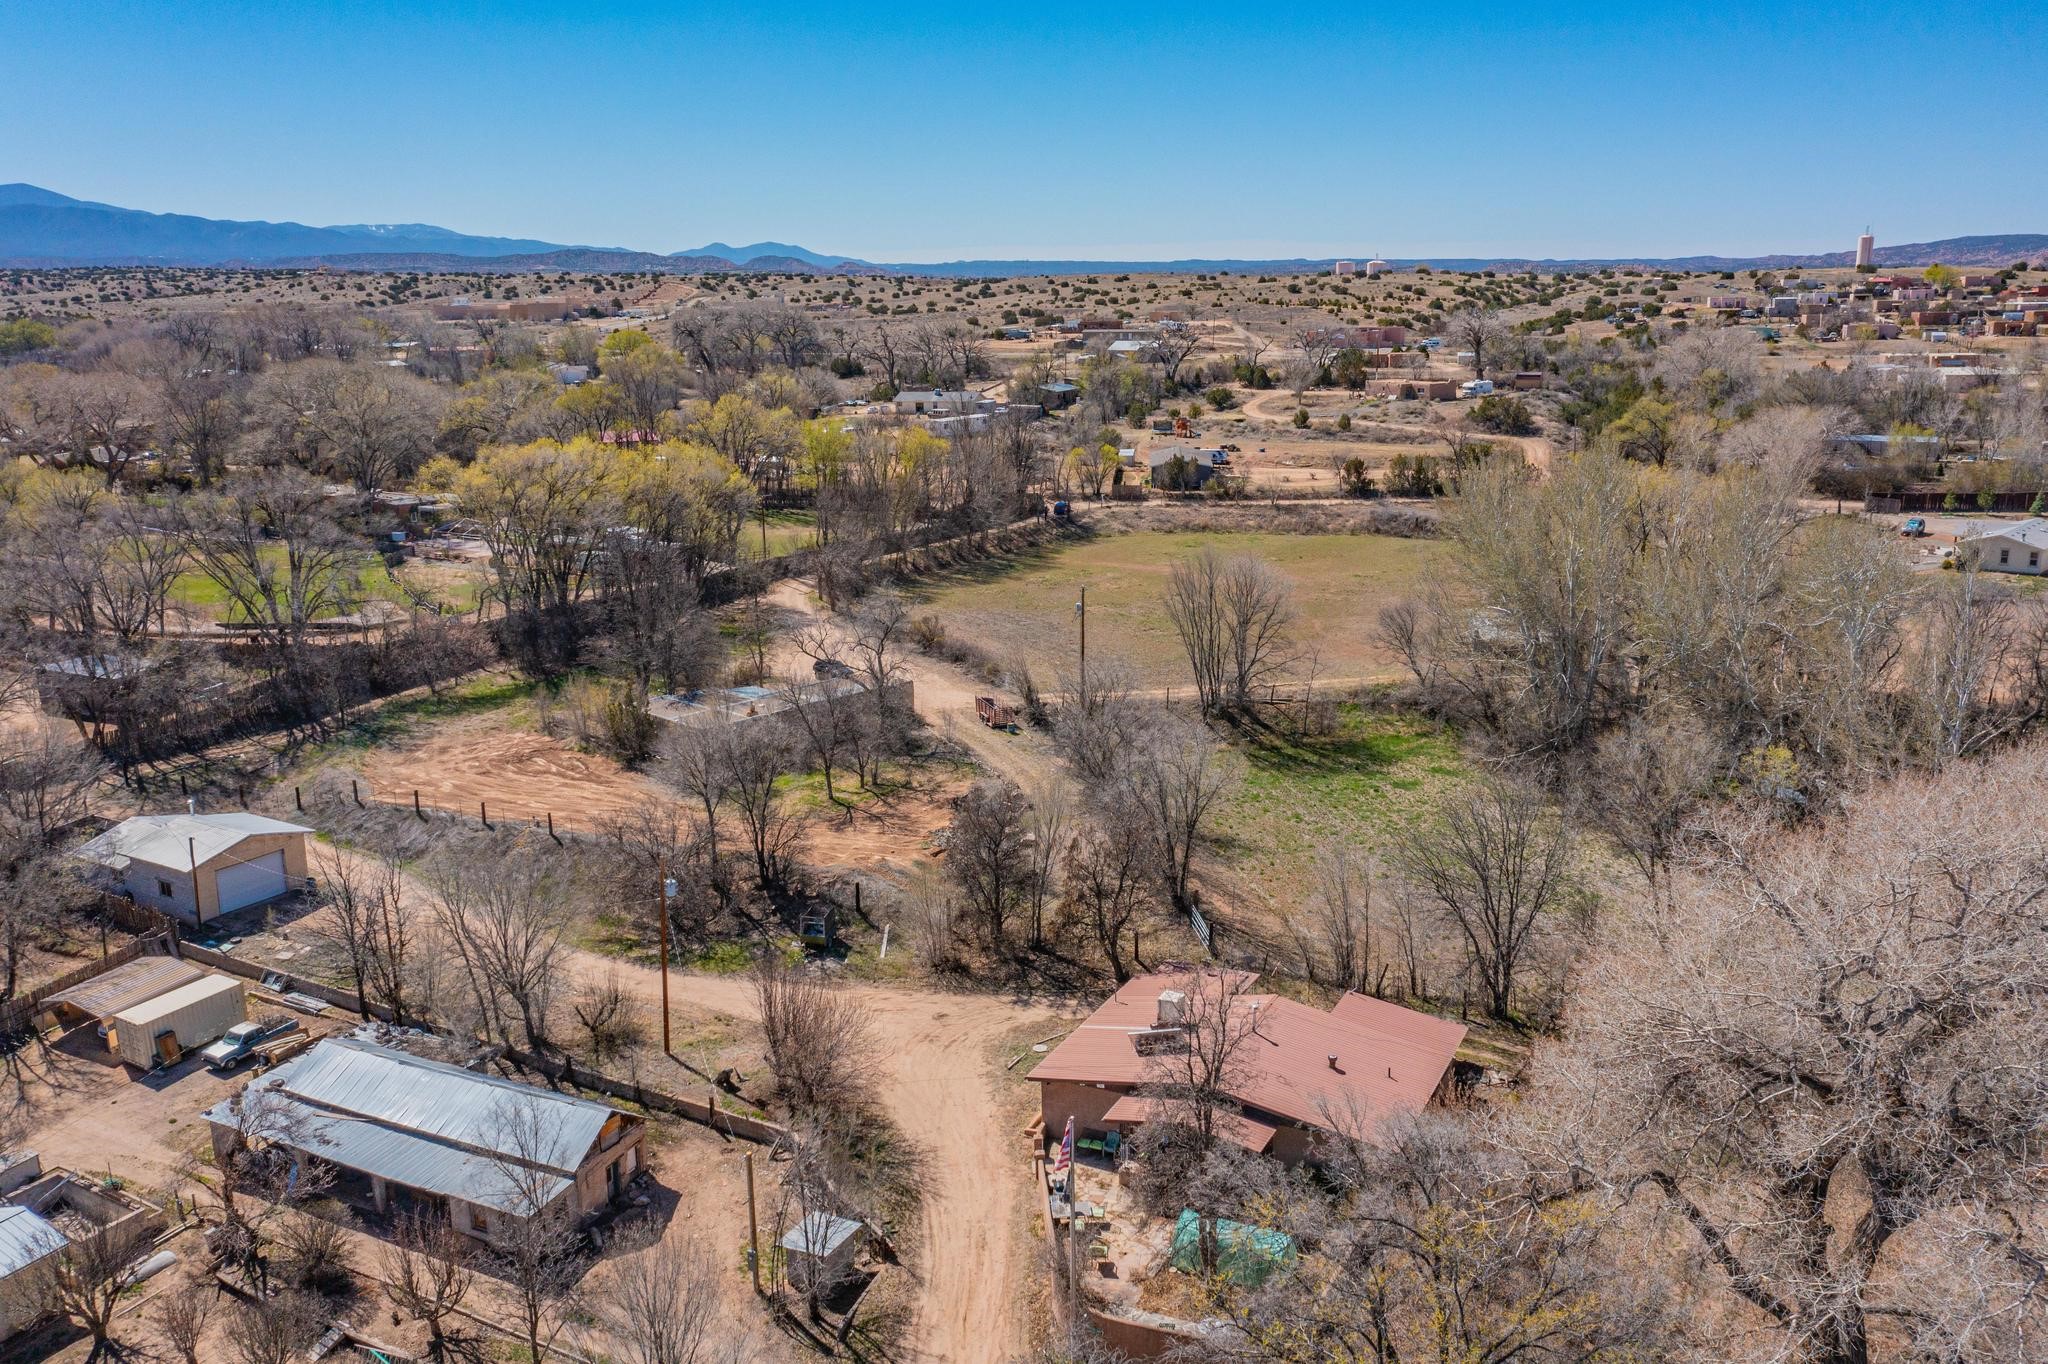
(1249, 1133)
(1389, 1059)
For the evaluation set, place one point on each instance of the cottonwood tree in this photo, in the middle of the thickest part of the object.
(269, 542)
(1192, 1080)
(1497, 861)
(1175, 778)
(266, 1152)
(1441, 1245)
(986, 853)
(1231, 613)
(1048, 832)
(535, 1245)
(660, 1303)
(1336, 932)
(182, 1318)
(756, 754)
(695, 761)
(504, 917)
(1106, 881)
(1475, 330)
(276, 1330)
(819, 1042)
(87, 1277)
(1820, 1061)
(429, 1269)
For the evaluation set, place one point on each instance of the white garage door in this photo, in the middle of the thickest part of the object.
(250, 883)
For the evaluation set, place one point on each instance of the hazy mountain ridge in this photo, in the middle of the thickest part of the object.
(42, 229)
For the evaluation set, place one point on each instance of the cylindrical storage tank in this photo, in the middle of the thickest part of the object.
(1375, 268)
(194, 1014)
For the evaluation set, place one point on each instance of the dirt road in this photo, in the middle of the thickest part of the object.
(938, 1079)
(944, 697)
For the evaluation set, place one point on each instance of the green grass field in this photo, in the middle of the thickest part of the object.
(1024, 604)
(1358, 785)
(788, 532)
(200, 595)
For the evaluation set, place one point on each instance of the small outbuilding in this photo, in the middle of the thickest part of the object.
(199, 867)
(158, 1031)
(29, 1245)
(821, 1248)
(135, 982)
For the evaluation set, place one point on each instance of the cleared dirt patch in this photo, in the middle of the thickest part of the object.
(520, 774)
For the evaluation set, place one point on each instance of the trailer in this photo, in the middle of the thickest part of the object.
(159, 1031)
(994, 713)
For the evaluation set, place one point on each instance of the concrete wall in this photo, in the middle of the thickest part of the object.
(141, 880)
(250, 849)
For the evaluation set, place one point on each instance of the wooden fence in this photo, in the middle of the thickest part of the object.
(564, 1071)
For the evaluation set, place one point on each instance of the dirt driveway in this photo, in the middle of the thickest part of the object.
(938, 1084)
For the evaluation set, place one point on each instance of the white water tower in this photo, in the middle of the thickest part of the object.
(1865, 246)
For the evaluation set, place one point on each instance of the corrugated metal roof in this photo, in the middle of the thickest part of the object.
(24, 1239)
(422, 1163)
(173, 841)
(160, 1006)
(819, 1234)
(355, 1079)
(126, 985)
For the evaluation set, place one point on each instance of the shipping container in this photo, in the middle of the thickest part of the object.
(159, 1031)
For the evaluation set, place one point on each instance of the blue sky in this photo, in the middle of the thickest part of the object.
(915, 132)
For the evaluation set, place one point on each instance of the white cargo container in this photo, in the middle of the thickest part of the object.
(158, 1031)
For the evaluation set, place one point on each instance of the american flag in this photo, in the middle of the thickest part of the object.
(1065, 1160)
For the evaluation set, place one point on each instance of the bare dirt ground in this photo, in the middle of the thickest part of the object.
(522, 774)
(944, 697)
(938, 1080)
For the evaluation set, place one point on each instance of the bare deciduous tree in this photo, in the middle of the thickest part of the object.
(429, 1268)
(1231, 613)
(660, 1304)
(1497, 861)
(817, 1035)
(1822, 1061)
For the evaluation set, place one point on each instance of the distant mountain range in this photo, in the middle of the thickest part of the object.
(42, 228)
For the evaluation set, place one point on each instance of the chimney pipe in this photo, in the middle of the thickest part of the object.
(191, 805)
(1333, 1060)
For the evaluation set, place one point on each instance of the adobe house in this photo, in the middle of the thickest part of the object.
(1297, 1065)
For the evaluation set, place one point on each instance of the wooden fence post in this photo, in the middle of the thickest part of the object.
(416, 803)
(298, 800)
(354, 794)
(483, 813)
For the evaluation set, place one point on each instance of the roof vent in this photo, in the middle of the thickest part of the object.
(1333, 1060)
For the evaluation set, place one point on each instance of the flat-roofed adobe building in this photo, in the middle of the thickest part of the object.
(1296, 1066)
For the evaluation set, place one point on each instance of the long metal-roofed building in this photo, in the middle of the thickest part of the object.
(406, 1131)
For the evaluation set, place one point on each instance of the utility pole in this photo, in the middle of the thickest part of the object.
(661, 912)
(1081, 610)
(753, 1229)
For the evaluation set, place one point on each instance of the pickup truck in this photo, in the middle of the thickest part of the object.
(241, 1041)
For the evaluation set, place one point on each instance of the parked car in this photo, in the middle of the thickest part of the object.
(1914, 526)
(240, 1042)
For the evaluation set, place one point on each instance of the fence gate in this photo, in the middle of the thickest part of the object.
(1203, 932)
